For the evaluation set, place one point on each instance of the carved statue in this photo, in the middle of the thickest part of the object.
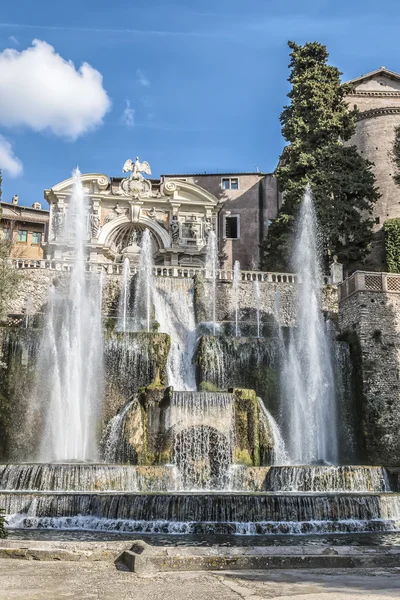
(174, 231)
(117, 212)
(133, 240)
(192, 231)
(58, 222)
(207, 229)
(94, 224)
(137, 169)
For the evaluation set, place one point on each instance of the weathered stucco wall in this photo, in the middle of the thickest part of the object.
(371, 323)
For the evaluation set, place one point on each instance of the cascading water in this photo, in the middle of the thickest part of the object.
(236, 290)
(212, 266)
(309, 404)
(144, 285)
(174, 311)
(70, 358)
(204, 438)
(123, 318)
(114, 435)
(280, 456)
(257, 297)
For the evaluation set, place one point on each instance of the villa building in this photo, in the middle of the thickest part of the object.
(179, 210)
(25, 227)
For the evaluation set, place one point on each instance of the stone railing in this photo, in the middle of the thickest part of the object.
(159, 271)
(367, 281)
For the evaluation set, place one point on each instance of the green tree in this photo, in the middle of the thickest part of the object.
(8, 277)
(316, 124)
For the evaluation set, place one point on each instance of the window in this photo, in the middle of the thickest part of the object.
(230, 183)
(36, 237)
(6, 235)
(232, 227)
(22, 235)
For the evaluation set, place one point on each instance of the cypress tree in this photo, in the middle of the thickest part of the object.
(316, 124)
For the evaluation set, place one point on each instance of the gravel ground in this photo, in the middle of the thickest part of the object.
(32, 580)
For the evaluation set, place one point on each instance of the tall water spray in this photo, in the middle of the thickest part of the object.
(310, 410)
(257, 297)
(145, 285)
(124, 298)
(70, 364)
(236, 290)
(212, 265)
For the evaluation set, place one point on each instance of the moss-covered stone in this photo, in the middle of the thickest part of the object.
(241, 362)
(247, 450)
(132, 361)
(206, 386)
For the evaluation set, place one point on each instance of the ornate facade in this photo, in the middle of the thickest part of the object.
(179, 210)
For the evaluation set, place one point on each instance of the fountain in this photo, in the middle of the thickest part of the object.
(309, 407)
(257, 297)
(70, 357)
(174, 311)
(123, 317)
(200, 434)
(212, 266)
(144, 285)
(236, 290)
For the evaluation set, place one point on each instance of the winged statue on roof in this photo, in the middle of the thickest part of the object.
(136, 168)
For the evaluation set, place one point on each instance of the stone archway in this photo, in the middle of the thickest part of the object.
(115, 234)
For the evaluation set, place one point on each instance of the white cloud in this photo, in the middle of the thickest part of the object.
(128, 116)
(8, 161)
(143, 80)
(14, 40)
(42, 91)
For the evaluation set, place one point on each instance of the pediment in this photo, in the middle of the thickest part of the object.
(380, 81)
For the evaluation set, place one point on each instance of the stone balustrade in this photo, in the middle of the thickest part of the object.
(159, 271)
(366, 281)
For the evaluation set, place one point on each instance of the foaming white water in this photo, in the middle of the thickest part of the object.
(309, 405)
(123, 317)
(144, 286)
(236, 290)
(70, 364)
(174, 311)
(204, 438)
(280, 456)
(212, 266)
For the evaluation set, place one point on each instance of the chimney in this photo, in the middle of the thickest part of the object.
(15, 199)
(37, 205)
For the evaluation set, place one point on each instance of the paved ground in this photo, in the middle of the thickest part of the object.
(31, 580)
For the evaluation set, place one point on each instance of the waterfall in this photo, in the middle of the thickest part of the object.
(204, 438)
(123, 318)
(174, 311)
(70, 357)
(327, 479)
(257, 298)
(236, 291)
(279, 456)
(87, 477)
(212, 266)
(144, 285)
(204, 513)
(309, 405)
(114, 435)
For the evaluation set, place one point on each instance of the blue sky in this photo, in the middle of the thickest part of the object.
(204, 82)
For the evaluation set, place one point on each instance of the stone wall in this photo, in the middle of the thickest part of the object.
(35, 284)
(370, 321)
